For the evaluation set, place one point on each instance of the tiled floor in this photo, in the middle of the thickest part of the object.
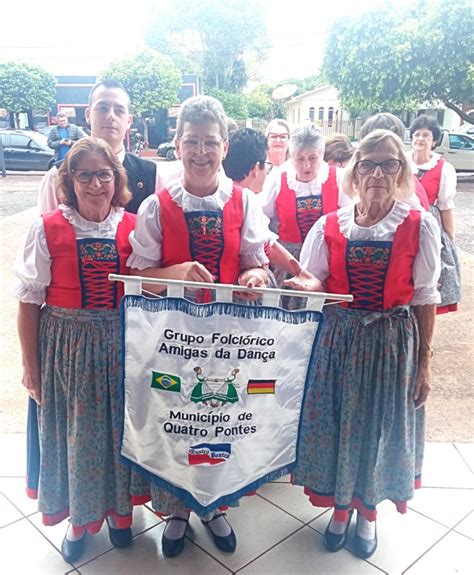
(278, 531)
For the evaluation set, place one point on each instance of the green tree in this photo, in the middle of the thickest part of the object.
(260, 102)
(211, 36)
(398, 58)
(152, 80)
(25, 88)
(262, 105)
(235, 105)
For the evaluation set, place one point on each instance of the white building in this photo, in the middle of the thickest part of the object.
(321, 106)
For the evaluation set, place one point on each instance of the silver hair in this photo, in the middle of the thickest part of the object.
(61, 114)
(404, 187)
(199, 110)
(306, 137)
(274, 124)
(383, 121)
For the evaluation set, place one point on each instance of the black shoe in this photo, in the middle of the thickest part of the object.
(334, 542)
(227, 543)
(364, 548)
(173, 547)
(72, 550)
(120, 538)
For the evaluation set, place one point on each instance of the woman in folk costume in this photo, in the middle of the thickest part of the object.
(305, 189)
(363, 418)
(438, 178)
(71, 345)
(201, 228)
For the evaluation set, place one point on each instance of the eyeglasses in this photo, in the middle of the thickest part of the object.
(209, 145)
(422, 135)
(85, 176)
(365, 167)
(267, 165)
(282, 137)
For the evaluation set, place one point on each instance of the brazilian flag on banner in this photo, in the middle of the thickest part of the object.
(165, 381)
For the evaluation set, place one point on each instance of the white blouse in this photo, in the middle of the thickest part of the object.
(147, 237)
(33, 262)
(427, 265)
(272, 185)
(448, 182)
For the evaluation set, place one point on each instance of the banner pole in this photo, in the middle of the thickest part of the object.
(133, 286)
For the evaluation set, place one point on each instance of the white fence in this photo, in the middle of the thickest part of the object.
(350, 128)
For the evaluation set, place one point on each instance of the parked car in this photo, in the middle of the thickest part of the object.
(26, 150)
(167, 150)
(456, 147)
(45, 130)
(466, 129)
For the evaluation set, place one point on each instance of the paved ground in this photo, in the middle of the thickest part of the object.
(278, 531)
(452, 400)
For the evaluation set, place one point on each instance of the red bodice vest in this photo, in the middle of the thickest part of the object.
(296, 216)
(421, 193)
(431, 180)
(211, 238)
(378, 274)
(79, 268)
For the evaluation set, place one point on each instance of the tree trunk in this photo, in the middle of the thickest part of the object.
(466, 117)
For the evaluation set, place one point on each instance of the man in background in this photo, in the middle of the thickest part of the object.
(109, 117)
(63, 136)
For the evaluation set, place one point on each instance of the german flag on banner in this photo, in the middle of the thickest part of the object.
(259, 386)
(165, 381)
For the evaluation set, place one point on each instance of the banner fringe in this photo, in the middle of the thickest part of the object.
(220, 308)
(191, 503)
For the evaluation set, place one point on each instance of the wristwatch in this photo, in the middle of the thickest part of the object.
(428, 353)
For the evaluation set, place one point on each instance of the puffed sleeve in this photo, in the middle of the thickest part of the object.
(33, 266)
(447, 187)
(47, 200)
(314, 253)
(147, 237)
(254, 234)
(427, 265)
(159, 182)
(269, 193)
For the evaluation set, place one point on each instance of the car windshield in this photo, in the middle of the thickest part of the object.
(40, 139)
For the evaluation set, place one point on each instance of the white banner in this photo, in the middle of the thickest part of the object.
(213, 394)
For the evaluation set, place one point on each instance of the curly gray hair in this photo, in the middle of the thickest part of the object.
(308, 136)
(199, 110)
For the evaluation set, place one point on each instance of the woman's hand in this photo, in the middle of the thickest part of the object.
(304, 281)
(193, 272)
(31, 379)
(252, 278)
(425, 316)
(422, 384)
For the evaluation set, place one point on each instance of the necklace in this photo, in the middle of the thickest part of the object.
(360, 212)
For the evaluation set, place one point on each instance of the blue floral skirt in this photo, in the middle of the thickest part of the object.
(449, 284)
(81, 418)
(362, 439)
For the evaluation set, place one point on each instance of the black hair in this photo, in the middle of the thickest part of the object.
(108, 84)
(246, 148)
(425, 122)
